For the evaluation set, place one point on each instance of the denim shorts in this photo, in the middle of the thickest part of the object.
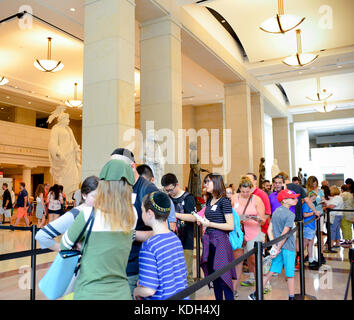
(309, 233)
(285, 258)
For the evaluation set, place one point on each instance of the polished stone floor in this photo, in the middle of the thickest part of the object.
(329, 283)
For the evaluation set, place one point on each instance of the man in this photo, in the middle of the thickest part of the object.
(22, 205)
(264, 197)
(324, 183)
(141, 188)
(184, 204)
(266, 187)
(296, 180)
(6, 203)
(146, 172)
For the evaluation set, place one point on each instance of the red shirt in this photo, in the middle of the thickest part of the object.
(267, 210)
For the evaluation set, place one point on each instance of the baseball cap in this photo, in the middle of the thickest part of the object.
(115, 170)
(286, 194)
(160, 201)
(122, 154)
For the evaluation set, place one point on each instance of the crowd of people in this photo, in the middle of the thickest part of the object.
(48, 204)
(142, 240)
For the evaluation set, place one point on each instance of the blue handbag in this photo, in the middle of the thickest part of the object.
(63, 272)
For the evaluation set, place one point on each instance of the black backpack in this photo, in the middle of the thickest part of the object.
(180, 224)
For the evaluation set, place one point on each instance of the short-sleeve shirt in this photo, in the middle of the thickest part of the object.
(283, 217)
(306, 208)
(162, 266)
(6, 197)
(172, 215)
(188, 204)
(274, 203)
(267, 210)
(298, 208)
(21, 198)
(217, 212)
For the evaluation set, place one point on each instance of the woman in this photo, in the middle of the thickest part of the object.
(347, 221)
(217, 251)
(251, 211)
(105, 258)
(335, 202)
(45, 236)
(54, 201)
(40, 207)
(312, 185)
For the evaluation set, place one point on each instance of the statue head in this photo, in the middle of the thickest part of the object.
(193, 146)
(262, 159)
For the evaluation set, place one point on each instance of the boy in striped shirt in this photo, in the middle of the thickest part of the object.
(162, 267)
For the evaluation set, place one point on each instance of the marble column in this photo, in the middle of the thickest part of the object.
(27, 179)
(257, 111)
(108, 83)
(281, 143)
(161, 87)
(238, 119)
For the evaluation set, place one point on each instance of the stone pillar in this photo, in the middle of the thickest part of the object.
(302, 147)
(27, 179)
(281, 143)
(161, 86)
(108, 83)
(257, 111)
(238, 119)
(47, 176)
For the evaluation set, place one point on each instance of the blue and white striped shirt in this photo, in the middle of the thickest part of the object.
(162, 266)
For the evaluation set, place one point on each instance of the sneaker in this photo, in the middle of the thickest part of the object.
(252, 296)
(291, 298)
(306, 259)
(323, 260)
(236, 296)
(267, 288)
(248, 283)
(313, 265)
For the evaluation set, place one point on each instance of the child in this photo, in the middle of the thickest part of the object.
(309, 229)
(162, 267)
(282, 221)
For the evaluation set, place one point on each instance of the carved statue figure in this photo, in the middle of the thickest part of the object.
(261, 170)
(64, 153)
(275, 169)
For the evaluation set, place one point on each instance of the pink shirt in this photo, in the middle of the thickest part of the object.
(267, 209)
(252, 228)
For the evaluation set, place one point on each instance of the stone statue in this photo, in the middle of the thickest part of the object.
(275, 169)
(261, 172)
(300, 176)
(154, 158)
(64, 153)
(195, 181)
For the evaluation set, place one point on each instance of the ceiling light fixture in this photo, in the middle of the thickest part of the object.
(3, 81)
(281, 23)
(326, 108)
(318, 94)
(300, 59)
(75, 103)
(49, 65)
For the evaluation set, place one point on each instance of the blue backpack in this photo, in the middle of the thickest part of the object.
(236, 235)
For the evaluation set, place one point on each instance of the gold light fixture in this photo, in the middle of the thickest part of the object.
(300, 59)
(49, 65)
(325, 108)
(281, 23)
(3, 81)
(75, 103)
(318, 94)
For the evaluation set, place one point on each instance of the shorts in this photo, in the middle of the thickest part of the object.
(309, 233)
(250, 243)
(21, 212)
(54, 211)
(285, 258)
(6, 212)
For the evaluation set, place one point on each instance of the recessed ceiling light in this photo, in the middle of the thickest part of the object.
(16, 87)
(2, 108)
(29, 102)
(339, 66)
(223, 21)
(72, 9)
(7, 97)
(300, 72)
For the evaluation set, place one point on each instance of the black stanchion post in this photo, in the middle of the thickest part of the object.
(302, 267)
(33, 264)
(319, 241)
(197, 238)
(329, 239)
(351, 259)
(259, 270)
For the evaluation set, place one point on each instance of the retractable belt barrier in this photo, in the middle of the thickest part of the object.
(198, 285)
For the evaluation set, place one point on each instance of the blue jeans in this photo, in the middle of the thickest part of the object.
(335, 228)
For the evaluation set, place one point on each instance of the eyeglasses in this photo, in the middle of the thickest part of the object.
(170, 190)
